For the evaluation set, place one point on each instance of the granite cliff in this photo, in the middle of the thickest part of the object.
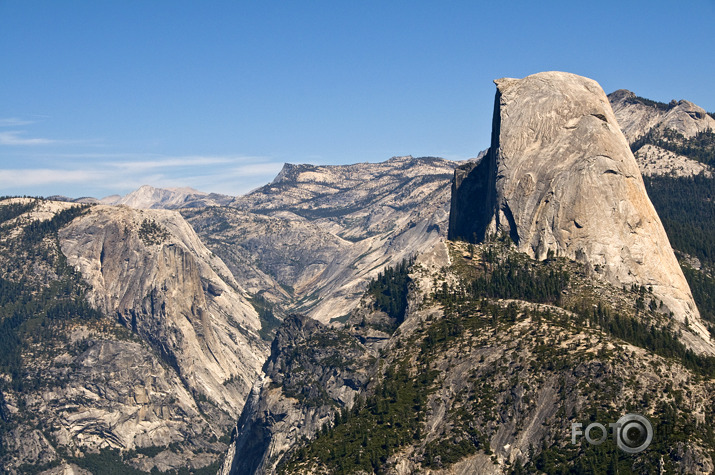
(560, 180)
(126, 342)
(151, 271)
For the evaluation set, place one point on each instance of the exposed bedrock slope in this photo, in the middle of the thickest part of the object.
(151, 271)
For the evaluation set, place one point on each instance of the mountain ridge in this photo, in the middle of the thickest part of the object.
(408, 394)
(648, 125)
(324, 231)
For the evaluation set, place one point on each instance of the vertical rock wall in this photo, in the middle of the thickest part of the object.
(565, 182)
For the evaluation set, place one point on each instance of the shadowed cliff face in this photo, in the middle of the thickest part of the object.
(566, 183)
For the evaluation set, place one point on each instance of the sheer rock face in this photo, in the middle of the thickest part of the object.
(472, 181)
(169, 289)
(566, 182)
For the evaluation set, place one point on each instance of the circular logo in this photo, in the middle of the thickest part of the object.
(634, 433)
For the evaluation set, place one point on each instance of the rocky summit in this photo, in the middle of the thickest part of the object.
(638, 116)
(560, 180)
(665, 138)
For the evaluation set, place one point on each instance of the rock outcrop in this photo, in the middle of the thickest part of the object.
(653, 161)
(561, 180)
(658, 133)
(638, 117)
(150, 270)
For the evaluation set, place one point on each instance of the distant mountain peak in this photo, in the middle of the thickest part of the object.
(150, 197)
(401, 158)
(649, 125)
(290, 172)
(637, 115)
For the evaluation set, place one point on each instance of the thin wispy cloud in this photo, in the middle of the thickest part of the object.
(168, 162)
(45, 176)
(14, 122)
(16, 138)
(122, 173)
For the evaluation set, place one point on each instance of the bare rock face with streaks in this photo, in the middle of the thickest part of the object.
(143, 347)
(560, 179)
(151, 271)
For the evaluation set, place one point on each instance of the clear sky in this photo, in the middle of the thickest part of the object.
(100, 97)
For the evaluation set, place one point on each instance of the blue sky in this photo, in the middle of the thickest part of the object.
(100, 97)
